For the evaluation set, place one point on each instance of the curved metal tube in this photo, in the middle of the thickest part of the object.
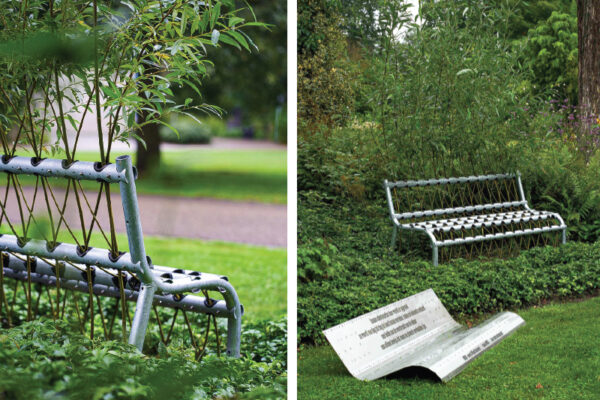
(151, 284)
(68, 252)
(49, 167)
(74, 277)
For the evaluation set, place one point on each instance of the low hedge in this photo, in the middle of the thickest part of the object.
(346, 268)
(464, 287)
(47, 359)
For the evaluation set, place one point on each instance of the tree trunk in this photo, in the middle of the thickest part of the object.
(148, 158)
(588, 33)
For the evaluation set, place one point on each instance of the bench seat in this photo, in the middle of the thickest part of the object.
(484, 220)
(105, 283)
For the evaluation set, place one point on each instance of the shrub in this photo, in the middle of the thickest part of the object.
(551, 54)
(325, 94)
(188, 131)
(44, 359)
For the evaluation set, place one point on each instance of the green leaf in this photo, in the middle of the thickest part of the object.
(230, 41)
(233, 21)
(183, 21)
(195, 26)
(215, 14)
(204, 21)
(109, 92)
(239, 38)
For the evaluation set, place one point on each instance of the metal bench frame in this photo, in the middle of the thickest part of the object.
(484, 219)
(159, 285)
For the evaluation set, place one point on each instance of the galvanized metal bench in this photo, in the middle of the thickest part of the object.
(128, 276)
(466, 210)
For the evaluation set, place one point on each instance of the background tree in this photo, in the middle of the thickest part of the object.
(359, 21)
(261, 72)
(325, 91)
(550, 52)
(526, 15)
(148, 150)
(588, 23)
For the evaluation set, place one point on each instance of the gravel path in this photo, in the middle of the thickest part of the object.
(198, 218)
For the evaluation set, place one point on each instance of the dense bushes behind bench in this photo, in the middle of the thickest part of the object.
(356, 286)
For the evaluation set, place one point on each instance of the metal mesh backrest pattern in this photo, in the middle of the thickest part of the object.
(415, 201)
(67, 204)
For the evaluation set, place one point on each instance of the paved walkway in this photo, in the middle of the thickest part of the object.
(198, 218)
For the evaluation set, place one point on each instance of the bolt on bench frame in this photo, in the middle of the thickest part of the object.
(499, 215)
(157, 282)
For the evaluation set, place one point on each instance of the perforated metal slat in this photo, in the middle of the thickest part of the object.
(478, 221)
(459, 210)
(515, 233)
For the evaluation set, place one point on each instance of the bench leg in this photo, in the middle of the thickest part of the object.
(394, 234)
(564, 236)
(234, 321)
(435, 255)
(142, 315)
(234, 333)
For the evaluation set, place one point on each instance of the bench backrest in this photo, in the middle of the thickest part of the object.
(413, 201)
(21, 241)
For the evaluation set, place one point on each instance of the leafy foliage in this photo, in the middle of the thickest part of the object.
(443, 98)
(317, 261)
(253, 82)
(140, 50)
(325, 94)
(551, 53)
(561, 181)
(44, 359)
(526, 15)
(364, 274)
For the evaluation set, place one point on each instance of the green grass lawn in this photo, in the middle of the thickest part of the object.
(556, 355)
(243, 175)
(223, 174)
(257, 273)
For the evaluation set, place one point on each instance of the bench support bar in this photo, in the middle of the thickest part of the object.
(142, 315)
(394, 235)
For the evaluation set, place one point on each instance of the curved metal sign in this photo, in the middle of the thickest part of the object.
(417, 331)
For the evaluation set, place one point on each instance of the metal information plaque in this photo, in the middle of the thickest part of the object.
(417, 331)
